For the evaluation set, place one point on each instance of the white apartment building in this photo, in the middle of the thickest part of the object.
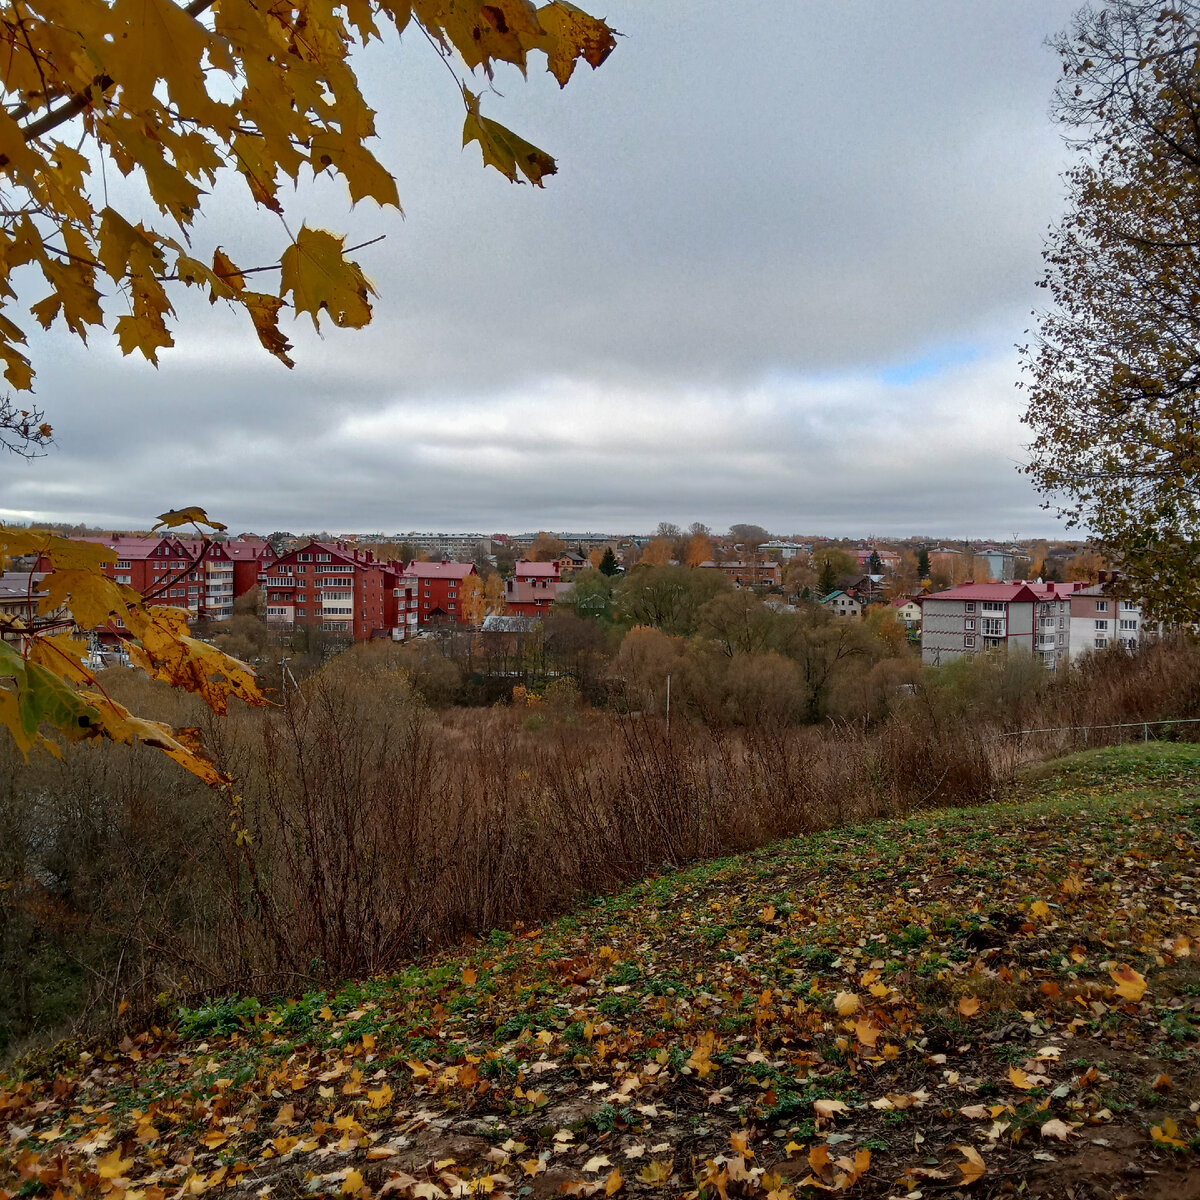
(997, 616)
(1099, 618)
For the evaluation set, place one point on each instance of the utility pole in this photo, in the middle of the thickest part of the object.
(668, 704)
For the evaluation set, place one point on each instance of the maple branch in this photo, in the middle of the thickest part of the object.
(81, 100)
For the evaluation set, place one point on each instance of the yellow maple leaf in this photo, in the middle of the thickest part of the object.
(113, 1166)
(846, 1003)
(503, 149)
(972, 1167)
(1167, 1134)
(1130, 985)
(319, 276)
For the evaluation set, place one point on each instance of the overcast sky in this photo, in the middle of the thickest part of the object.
(779, 278)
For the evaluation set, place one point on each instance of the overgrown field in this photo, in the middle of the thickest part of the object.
(970, 1001)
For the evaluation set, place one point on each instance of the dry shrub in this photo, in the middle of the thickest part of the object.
(377, 827)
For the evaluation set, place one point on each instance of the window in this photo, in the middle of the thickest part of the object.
(302, 612)
(1102, 625)
(1126, 605)
(970, 622)
(993, 627)
(993, 606)
(969, 642)
(1128, 624)
(305, 558)
(322, 558)
(122, 564)
(1101, 643)
(970, 606)
(1102, 606)
(301, 570)
(452, 606)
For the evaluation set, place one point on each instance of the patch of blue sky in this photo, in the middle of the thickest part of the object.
(929, 365)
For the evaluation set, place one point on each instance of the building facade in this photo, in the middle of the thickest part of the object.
(438, 589)
(339, 589)
(997, 616)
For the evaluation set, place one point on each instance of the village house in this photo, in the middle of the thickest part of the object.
(908, 611)
(842, 605)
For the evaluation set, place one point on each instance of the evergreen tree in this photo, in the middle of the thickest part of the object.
(875, 564)
(923, 563)
(827, 580)
(608, 564)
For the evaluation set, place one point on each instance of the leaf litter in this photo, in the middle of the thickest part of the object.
(965, 1003)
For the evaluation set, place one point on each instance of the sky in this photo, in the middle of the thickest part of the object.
(780, 278)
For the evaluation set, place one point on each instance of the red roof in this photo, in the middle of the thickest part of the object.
(439, 570)
(243, 550)
(526, 568)
(1023, 593)
(136, 547)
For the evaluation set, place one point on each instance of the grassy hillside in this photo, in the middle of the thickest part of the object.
(976, 1000)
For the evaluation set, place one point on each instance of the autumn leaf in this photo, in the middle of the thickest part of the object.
(187, 516)
(1130, 985)
(968, 1006)
(846, 1003)
(614, 1182)
(113, 1166)
(657, 1173)
(569, 34)
(1019, 1079)
(509, 154)
(1055, 1128)
(700, 1059)
(318, 276)
(829, 1108)
(972, 1167)
(1167, 1134)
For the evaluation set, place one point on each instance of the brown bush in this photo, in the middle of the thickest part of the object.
(370, 827)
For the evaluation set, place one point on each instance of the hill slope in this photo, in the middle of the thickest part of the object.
(966, 1001)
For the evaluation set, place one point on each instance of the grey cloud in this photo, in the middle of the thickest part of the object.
(747, 195)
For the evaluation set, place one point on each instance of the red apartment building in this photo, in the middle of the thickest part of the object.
(340, 589)
(750, 574)
(439, 590)
(251, 559)
(163, 569)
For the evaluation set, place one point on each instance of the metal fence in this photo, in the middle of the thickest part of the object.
(1086, 730)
